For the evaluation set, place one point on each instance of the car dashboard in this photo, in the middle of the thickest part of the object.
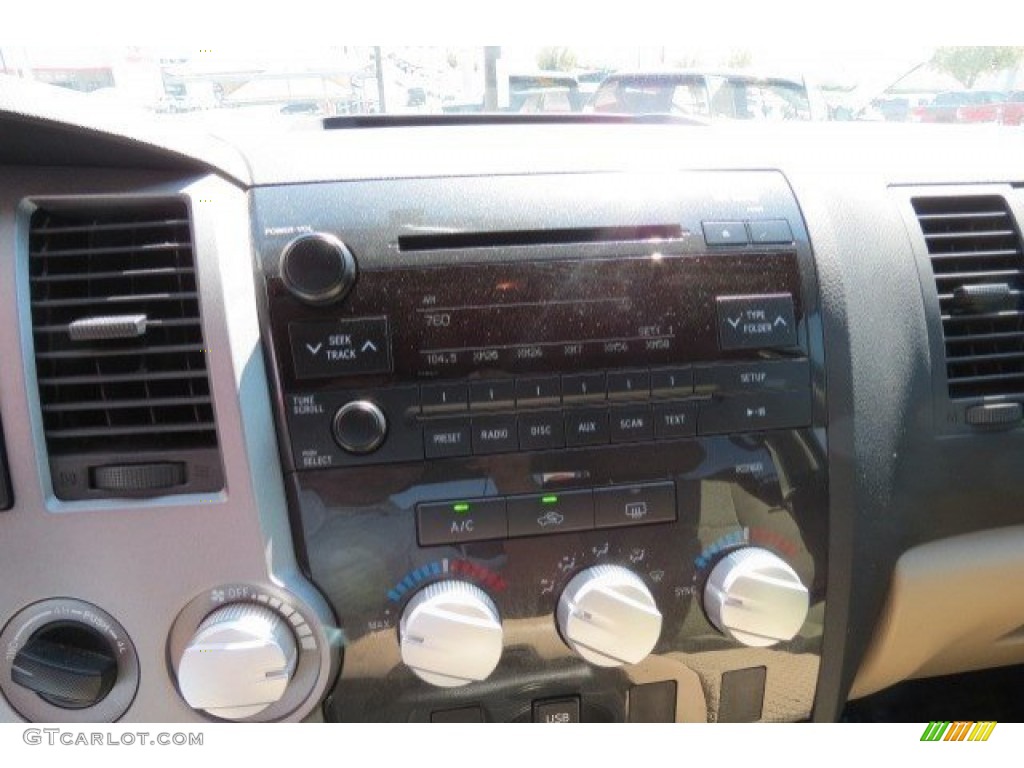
(529, 421)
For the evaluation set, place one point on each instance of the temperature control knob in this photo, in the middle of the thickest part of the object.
(608, 616)
(239, 661)
(451, 634)
(756, 598)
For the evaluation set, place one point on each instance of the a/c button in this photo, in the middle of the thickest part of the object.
(453, 522)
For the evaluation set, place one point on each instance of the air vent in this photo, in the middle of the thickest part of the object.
(975, 251)
(120, 355)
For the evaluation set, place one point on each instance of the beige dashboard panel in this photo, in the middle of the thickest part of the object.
(954, 605)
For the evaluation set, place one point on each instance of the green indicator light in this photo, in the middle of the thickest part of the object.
(462, 508)
(548, 499)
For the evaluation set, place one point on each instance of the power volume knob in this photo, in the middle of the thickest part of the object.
(608, 616)
(756, 598)
(239, 662)
(451, 634)
(318, 268)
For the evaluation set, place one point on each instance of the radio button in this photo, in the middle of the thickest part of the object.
(453, 522)
(443, 439)
(629, 385)
(583, 388)
(444, 398)
(494, 434)
(672, 382)
(634, 505)
(755, 376)
(340, 347)
(586, 427)
(631, 423)
(756, 322)
(675, 420)
(541, 431)
(550, 513)
(497, 393)
(538, 391)
(754, 412)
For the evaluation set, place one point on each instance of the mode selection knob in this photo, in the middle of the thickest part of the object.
(451, 634)
(318, 268)
(756, 598)
(608, 616)
(360, 427)
(238, 662)
(68, 664)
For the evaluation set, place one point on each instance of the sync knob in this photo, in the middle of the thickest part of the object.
(451, 634)
(239, 661)
(756, 598)
(608, 616)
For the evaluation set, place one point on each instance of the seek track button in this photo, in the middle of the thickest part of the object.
(340, 347)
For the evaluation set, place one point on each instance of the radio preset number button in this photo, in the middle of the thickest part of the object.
(444, 398)
(538, 391)
(491, 393)
(629, 385)
(583, 388)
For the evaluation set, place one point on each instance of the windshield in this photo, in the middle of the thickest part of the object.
(704, 85)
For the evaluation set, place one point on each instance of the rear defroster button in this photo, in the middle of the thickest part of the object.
(360, 427)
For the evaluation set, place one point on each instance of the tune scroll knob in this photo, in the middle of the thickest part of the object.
(318, 268)
(756, 598)
(239, 661)
(608, 616)
(360, 427)
(451, 634)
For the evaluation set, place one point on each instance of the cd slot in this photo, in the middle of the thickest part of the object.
(448, 241)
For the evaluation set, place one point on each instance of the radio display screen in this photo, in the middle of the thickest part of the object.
(566, 315)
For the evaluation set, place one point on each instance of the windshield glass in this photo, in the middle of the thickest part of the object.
(704, 85)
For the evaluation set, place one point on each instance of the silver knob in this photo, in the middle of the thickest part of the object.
(608, 616)
(756, 598)
(238, 663)
(451, 634)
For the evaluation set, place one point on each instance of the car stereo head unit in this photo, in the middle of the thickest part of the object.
(582, 413)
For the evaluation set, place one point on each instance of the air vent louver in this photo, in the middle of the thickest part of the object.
(975, 250)
(120, 356)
